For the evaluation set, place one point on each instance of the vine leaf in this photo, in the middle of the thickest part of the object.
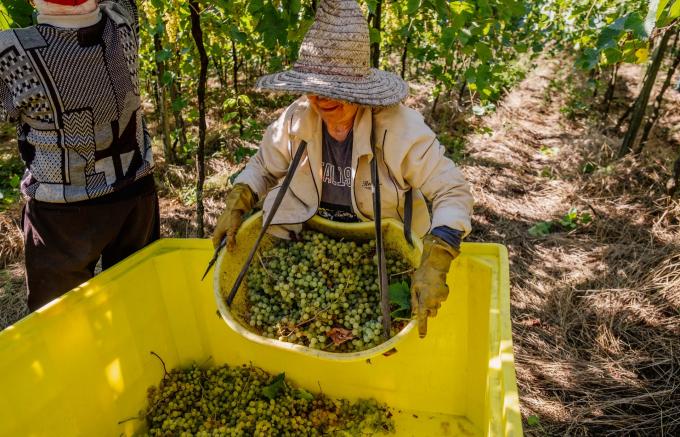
(400, 297)
(304, 394)
(675, 10)
(272, 390)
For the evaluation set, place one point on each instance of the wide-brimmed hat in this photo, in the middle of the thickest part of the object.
(334, 61)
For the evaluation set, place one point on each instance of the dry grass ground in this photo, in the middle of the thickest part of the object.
(12, 294)
(12, 288)
(596, 310)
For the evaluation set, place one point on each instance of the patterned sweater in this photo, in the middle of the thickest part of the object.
(71, 86)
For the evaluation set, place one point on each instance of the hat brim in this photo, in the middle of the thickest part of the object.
(378, 88)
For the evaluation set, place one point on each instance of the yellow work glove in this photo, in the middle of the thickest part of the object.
(428, 285)
(240, 200)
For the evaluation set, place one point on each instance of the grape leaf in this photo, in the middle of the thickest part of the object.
(471, 75)
(374, 35)
(255, 6)
(641, 55)
(294, 10)
(412, 7)
(635, 24)
(612, 55)
(533, 421)
(237, 35)
(619, 24)
(167, 78)
(179, 104)
(589, 59)
(230, 116)
(272, 27)
(14, 181)
(448, 37)
(304, 394)
(660, 7)
(460, 7)
(675, 10)
(400, 296)
(540, 229)
(483, 52)
(272, 390)
(609, 37)
(585, 218)
(372, 5)
(19, 14)
(441, 7)
(163, 55)
(465, 35)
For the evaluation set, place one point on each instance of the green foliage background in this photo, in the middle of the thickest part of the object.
(15, 13)
(461, 49)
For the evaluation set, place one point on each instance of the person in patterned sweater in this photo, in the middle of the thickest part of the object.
(70, 84)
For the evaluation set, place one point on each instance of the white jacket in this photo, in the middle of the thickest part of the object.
(409, 156)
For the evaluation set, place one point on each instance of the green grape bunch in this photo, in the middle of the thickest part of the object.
(321, 292)
(247, 401)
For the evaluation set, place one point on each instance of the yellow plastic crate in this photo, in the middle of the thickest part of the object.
(82, 364)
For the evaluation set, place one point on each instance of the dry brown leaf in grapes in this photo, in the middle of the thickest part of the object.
(340, 335)
(323, 418)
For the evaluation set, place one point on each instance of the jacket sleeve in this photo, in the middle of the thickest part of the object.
(271, 162)
(426, 168)
(417, 160)
(7, 110)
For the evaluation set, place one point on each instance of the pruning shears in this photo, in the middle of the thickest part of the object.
(212, 262)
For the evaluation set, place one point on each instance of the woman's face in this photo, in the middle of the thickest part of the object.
(334, 112)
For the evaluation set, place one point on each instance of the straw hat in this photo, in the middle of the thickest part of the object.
(334, 61)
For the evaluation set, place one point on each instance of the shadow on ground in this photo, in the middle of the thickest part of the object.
(596, 311)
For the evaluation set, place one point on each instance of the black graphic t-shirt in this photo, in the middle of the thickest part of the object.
(336, 194)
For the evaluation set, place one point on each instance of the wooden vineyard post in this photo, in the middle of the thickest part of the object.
(197, 34)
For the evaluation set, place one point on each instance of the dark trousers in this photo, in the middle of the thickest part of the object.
(64, 242)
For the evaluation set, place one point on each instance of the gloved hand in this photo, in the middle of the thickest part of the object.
(240, 200)
(428, 285)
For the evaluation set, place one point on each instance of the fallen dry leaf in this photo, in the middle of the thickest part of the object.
(340, 335)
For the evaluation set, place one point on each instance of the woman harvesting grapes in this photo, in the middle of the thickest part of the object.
(347, 111)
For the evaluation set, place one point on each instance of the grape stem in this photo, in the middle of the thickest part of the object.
(120, 422)
(401, 273)
(209, 359)
(165, 370)
(263, 266)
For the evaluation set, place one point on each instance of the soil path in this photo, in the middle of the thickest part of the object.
(595, 309)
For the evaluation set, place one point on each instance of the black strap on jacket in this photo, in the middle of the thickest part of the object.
(275, 206)
(408, 215)
(379, 246)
